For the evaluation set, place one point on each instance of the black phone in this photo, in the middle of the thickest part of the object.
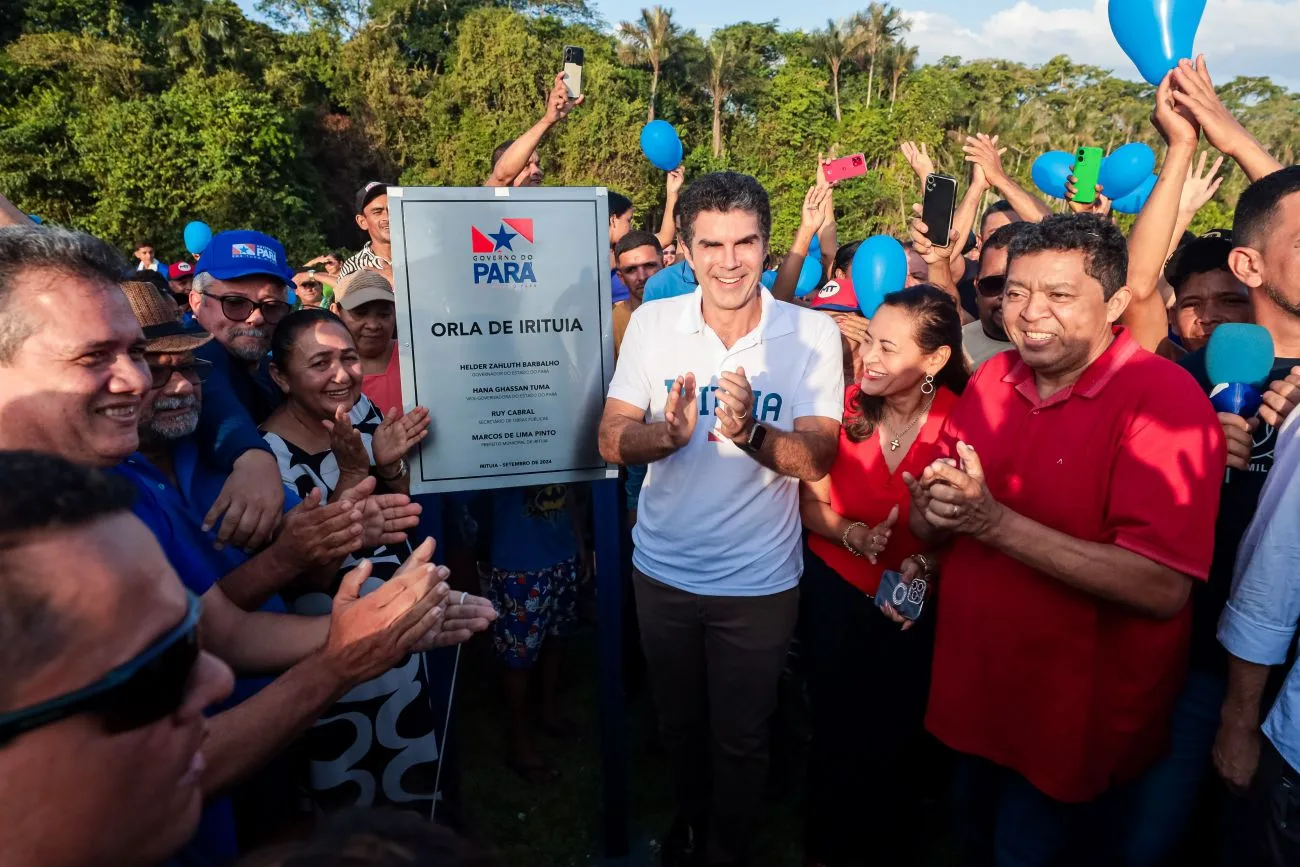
(573, 57)
(938, 208)
(908, 598)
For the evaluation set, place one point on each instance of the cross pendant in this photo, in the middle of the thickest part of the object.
(894, 444)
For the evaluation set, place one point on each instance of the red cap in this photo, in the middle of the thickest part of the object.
(837, 295)
(180, 270)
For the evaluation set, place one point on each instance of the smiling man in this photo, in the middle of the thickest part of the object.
(731, 397)
(986, 337)
(372, 218)
(1079, 496)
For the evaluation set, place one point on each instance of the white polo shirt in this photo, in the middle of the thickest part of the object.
(711, 519)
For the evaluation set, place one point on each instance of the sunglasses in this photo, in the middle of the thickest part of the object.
(194, 372)
(138, 693)
(991, 287)
(237, 308)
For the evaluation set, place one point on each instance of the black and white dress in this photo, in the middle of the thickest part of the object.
(379, 745)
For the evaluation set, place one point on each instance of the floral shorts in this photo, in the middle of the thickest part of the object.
(531, 606)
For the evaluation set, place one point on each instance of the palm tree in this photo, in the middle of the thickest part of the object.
(651, 40)
(901, 59)
(881, 26)
(837, 43)
(719, 67)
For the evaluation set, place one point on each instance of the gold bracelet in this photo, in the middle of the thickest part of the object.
(844, 539)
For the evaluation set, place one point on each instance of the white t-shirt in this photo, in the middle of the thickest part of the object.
(711, 519)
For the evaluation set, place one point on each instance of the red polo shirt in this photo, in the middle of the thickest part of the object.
(1071, 691)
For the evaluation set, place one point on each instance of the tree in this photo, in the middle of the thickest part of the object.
(834, 45)
(651, 41)
(901, 60)
(881, 26)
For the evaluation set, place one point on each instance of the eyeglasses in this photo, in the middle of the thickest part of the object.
(991, 287)
(195, 372)
(138, 693)
(237, 308)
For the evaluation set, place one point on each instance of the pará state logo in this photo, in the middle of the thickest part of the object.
(504, 256)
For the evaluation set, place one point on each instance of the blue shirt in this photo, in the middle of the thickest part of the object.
(235, 402)
(532, 528)
(618, 289)
(1259, 623)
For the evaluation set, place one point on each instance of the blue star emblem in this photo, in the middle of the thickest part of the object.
(503, 238)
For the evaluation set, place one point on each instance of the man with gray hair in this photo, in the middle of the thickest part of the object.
(717, 538)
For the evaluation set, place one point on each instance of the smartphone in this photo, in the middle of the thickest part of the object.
(844, 168)
(938, 207)
(908, 599)
(1087, 168)
(573, 70)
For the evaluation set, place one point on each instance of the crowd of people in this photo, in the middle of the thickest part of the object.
(1028, 568)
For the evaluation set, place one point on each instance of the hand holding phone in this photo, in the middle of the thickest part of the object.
(938, 208)
(905, 597)
(1087, 169)
(844, 168)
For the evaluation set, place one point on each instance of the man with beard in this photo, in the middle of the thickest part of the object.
(372, 218)
(238, 294)
(986, 337)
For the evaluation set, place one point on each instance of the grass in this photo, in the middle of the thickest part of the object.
(557, 825)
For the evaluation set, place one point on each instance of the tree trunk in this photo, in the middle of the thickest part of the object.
(835, 87)
(893, 91)
(654, 88)
(871, 77)
(717, 123)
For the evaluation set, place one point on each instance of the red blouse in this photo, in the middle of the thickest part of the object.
(863, 489)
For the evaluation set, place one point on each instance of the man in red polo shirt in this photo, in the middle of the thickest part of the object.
(1080, 497)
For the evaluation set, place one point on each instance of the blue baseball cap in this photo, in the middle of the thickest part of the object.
(243, 252)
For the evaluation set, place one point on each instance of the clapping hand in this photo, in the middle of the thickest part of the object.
(735, 405)
(398, 433)
(313, 535)
(983, 151)
(958, 499)
(682, 410)
(346, 444)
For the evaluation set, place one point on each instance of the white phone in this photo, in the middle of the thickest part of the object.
(573, 57)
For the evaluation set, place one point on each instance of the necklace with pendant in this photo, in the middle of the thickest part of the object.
(897, 441)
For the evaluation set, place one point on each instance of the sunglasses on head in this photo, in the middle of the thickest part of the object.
(137, 693)
(195, 372)
(237, 308)
(991, 287)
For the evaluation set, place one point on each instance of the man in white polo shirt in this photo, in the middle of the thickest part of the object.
(731, 397)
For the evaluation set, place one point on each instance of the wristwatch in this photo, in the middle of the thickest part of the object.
(757, 434)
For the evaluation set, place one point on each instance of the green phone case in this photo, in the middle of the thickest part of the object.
(1087, 168)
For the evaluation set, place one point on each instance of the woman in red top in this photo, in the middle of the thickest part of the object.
(868, 677)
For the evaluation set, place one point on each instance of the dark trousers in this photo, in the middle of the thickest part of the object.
(714, 663)
(1274, 805)
(1004, 821)
(868, 682)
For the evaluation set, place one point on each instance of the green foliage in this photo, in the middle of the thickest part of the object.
(130, 117)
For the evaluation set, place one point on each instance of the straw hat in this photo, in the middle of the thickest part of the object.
(158, 315)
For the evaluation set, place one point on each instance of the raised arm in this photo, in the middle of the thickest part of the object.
(1194, 91)
(10, 215)
(937, 258)
(983, 152)
(516, 157)
(1146, 314)
(963, 220)
(811, 218)
(668, 225)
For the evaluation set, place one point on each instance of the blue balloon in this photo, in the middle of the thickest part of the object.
(1126, 169)
(1156, 34)
(197, 236)
(660, 144)
(879, 268)
(810, 276)
(815, 248)
(35, 218)
(1051, 171)
(1136, 200)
